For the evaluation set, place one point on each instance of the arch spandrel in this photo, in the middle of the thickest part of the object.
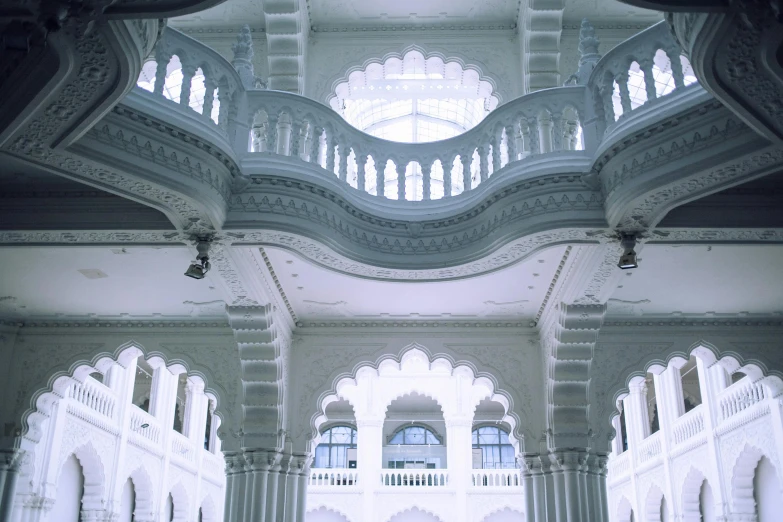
(321, 390)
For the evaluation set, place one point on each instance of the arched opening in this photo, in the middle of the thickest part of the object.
(168, 509)
(324, 514)
(706, 502)
(70, 490)
(337, 448)
(691, 384)
(767, 491)
(414, 515)
(413, 98)
(505, 515)
(414, 438)
(624, 511)
(127, 501)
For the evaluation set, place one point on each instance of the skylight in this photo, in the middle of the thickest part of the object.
(414, 99)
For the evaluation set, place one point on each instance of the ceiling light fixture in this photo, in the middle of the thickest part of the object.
(199, 268)
(628, 259)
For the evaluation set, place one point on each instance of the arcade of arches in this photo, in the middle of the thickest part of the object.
(373, 261)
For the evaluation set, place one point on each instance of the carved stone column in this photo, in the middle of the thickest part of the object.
(10, 460)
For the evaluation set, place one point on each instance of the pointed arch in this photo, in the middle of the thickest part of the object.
(94, 475)
(690, 490)
(208, 509)
(145, 493)
(742, 474)
(652, 504)
(624, 510)
(180, 498)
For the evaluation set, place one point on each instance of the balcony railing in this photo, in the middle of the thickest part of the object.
(95, 396)
(312, 136)
(738, 397)
(650, 448)
(333, 477)
(496, 478)
(144, 425)
(620, 465)
(689, 425)
(415, 478)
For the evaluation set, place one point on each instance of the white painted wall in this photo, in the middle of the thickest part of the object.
(767, 492)
(70, 488)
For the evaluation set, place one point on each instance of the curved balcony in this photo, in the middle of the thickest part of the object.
(272, 131)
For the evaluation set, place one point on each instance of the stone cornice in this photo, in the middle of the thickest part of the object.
(689, 322)
(412, 325)
(154, 324)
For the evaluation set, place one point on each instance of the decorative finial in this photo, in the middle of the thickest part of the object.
(243, 58)
(588, 52)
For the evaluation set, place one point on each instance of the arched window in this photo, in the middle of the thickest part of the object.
(496, 449)
(414, 435)
(332, 452)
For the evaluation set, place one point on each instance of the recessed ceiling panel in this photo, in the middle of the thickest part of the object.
(405, 12)
(512, 293)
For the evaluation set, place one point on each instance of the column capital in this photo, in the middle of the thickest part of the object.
(39, 502)
(11, 459)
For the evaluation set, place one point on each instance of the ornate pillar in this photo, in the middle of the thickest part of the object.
(401, 168)
(426, 171)
(196, 404)
(459, 459)
(637, 418)
(10, 460)
(369, 444)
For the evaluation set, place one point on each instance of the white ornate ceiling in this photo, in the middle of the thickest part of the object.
(514, 293)
(378, 13)
(410, 12)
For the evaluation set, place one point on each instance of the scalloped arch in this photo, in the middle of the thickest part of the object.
(652, 503)
(742, 474)
(487, 85)
(730, 360)
(208, 509)
(80, 366)
(321, 506)
(624, 510)
(180, 499)
(144, 491)
(413, 509)
(94, 474)
(496, 510)
(441, 362)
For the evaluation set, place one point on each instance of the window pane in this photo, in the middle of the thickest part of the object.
(504, 437)
(415, 435)
(322, 456)
(489, 438)
(341, 435)
(399, 438)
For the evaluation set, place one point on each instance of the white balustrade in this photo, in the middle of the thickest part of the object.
(95, 396)
(650, 448)
(306, 131)
(212, 465)
(333, 477)
(415, 477)
(144, 424)
(182, 447)
(220, 80)
(620, 465)
(689, 425)
(612, 73)
(496, 478)
(297, 127)
(738, 397)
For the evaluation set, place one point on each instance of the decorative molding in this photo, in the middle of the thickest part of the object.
(414, 324)
(326, 257)
(553, 283)
(280, 290)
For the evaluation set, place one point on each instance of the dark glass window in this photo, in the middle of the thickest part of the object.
(496, 450)
(332, 452)
(414, 435)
